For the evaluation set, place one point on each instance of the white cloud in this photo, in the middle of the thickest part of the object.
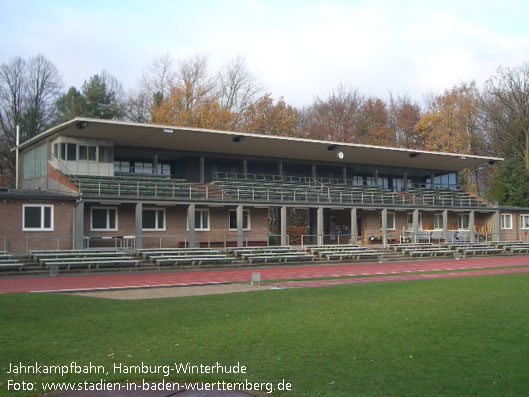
(298, 49)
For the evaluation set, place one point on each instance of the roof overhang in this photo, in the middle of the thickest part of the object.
(238, 143)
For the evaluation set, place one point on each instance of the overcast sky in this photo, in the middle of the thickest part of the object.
(297, 49)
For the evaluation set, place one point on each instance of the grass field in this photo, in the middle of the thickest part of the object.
(461, 336)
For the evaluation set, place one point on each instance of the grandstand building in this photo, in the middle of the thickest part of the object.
(91, 182)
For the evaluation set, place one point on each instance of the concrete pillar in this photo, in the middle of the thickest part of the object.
(191, 225)
(344, 174)
(155, 164)
(319, 226)
(78, 241)
(245, 168)
(495, 226)
(202, 169)
(385, 227)
(472, 225)
(415, 224)
(280, 169)
(445, 225)
(354, 226)
(432, 179)
(376, 177)
(313, 172)
(284, 239)
(239, 215)
(313, 227)
(405, 181)
(139, 225)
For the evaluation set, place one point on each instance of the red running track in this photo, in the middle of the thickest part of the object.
(191, 277)
(328, 283)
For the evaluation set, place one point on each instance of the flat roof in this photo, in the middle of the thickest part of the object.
(158, 136)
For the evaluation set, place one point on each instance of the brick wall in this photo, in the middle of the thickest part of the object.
(11, 226)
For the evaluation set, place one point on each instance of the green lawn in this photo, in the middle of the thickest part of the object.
(466, 336)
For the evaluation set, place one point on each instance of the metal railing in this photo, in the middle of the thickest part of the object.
(326, 239)
(48, 243)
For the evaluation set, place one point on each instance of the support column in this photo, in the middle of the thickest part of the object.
(313, 227)
(354, 226)
(432, 179)
(245, 168)
(239, 215)
(139, 225)
(472, 225)
(319, 225)
(280, 169)
(376, 177)
(445, 225)
(155, 164)
(78, 241)
(191, 225)
(344, 174)
(405, 181)
(284, 239)
(202, 169)
(313, 171)
(385, 227)
(495, 226)
(415, 224)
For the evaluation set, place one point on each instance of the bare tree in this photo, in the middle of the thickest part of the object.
(28, 90)
(505, 103)
(237, 87)
(333, 118)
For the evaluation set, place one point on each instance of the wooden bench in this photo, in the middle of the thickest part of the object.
(12, 265)
(88, 263)
(279, 258)
(354, 255)
(199, 260)
(433, 252)
(480, 250)
(153, 255)
(160, 260)
(515, 249)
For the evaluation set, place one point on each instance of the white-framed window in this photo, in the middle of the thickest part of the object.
(245, 220)
(153, 219)
(37, 218)
(390, 221)
(104, 219)
(463, 221)
(201, 220)
(438, 221)
(87, 153)
(506, 221)
(524, 221)
(409, 218)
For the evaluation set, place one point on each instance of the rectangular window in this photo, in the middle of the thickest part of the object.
(63, 151)
(71, 154)
(56, 150)
(463, 221)
(438, 221)
(245, 220)
(506, 221)
(92, 150)
(390, 221)
(410, 221)
(524, 221)
(103, 219)
(202, 220)
(37, 218)
(164, 169)
(142, 167)
(83, 152)
(153, 219)
(122, 166)
(106, 154)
